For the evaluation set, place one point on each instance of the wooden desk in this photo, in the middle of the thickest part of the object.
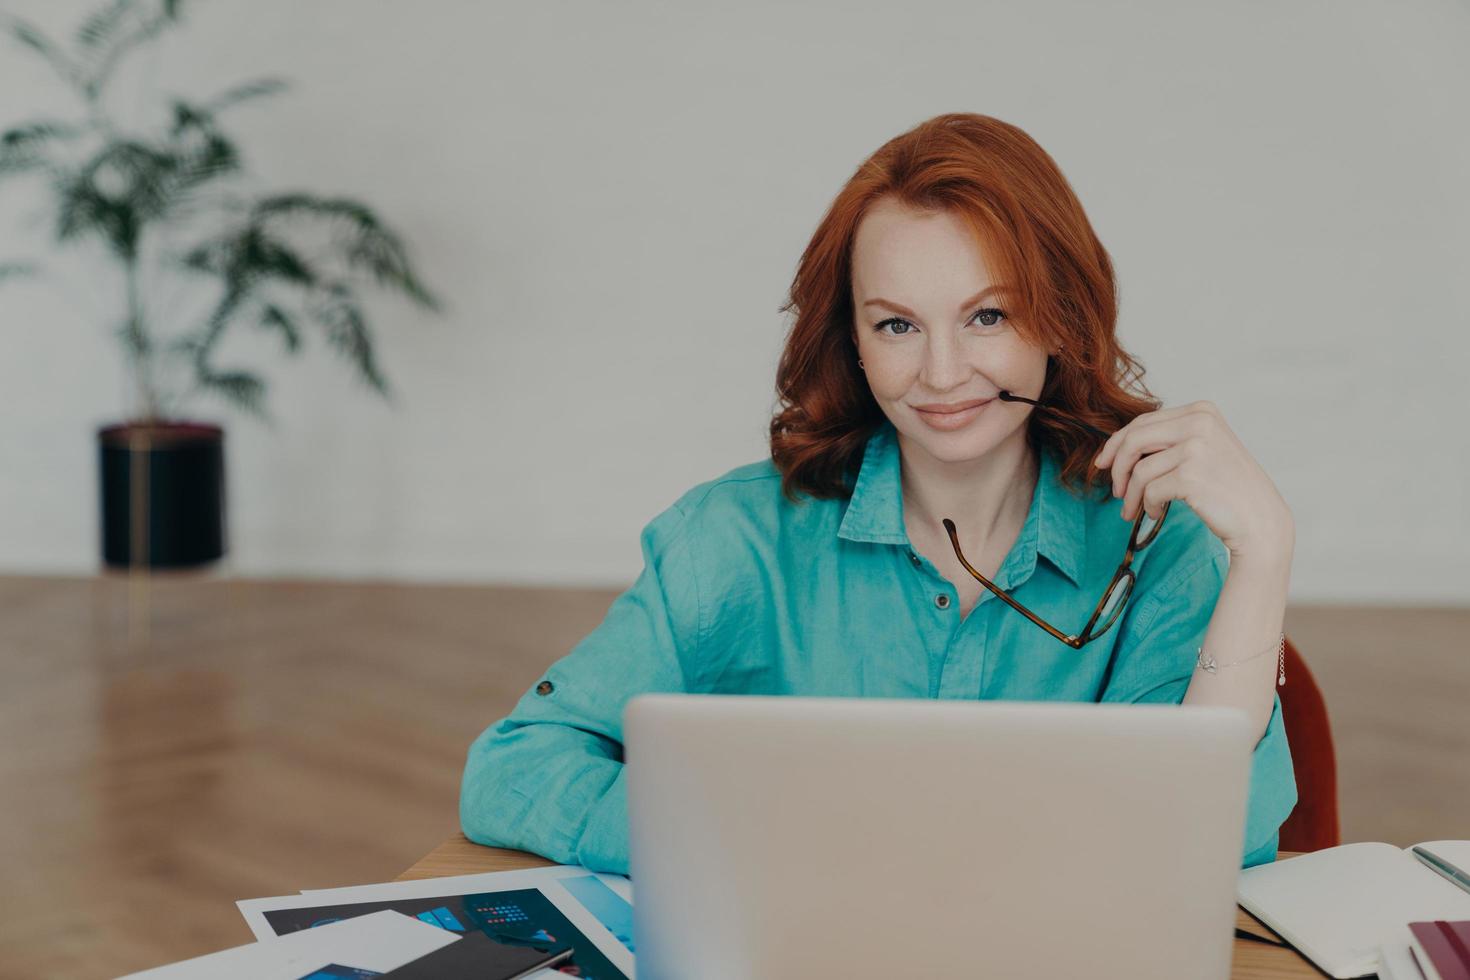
(1251, 961)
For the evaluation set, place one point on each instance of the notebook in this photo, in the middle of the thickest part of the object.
(1442, 949)
(1339, 905)
(1398, 963)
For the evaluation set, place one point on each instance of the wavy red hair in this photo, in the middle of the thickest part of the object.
(1055, 276)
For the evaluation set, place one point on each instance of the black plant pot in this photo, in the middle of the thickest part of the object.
(163, 494)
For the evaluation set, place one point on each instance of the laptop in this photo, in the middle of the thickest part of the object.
(786, 837)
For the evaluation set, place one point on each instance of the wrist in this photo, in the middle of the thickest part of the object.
(1272, 557)
(1272, 549)
(1266, 571)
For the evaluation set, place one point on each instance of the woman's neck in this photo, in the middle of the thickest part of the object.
(982, 496)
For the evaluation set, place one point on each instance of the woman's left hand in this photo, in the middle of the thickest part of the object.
(1192, 455)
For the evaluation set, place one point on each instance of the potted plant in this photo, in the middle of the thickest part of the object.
(167, 200)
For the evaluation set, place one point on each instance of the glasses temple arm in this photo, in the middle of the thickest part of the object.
(1006, 396)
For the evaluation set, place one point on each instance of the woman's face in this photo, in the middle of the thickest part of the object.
(930, 335)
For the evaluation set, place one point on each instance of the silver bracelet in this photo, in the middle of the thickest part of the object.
(1209, 663)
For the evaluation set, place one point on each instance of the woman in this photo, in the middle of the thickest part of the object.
(956, 265)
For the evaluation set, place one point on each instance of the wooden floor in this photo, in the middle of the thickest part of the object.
(171, 744)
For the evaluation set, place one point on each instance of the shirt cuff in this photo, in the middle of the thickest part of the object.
(604, 842)
(1272, 792)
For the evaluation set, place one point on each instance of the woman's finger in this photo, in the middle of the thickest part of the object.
(1147, 439)
(1147, 418)
(1169, 486)
(1148, 471)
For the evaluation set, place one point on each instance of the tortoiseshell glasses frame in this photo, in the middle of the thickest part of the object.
(1123, 578)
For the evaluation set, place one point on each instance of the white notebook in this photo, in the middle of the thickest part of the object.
(1339, 905)
(1397, 963)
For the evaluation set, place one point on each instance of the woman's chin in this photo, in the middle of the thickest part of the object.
(954, 447)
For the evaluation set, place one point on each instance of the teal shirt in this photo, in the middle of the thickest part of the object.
(744, 592)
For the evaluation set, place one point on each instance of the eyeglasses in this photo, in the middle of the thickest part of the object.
(1145, 529)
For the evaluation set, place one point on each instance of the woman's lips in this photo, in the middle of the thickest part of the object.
(947, 422)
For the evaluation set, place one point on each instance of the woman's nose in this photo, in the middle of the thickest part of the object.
(945, 366)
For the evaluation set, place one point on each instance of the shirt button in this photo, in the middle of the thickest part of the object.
(544, 688)
(942, 601)
(913, 558)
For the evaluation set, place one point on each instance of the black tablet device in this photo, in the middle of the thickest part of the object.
(475, 956)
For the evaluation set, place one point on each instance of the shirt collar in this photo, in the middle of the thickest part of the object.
(1056, 524)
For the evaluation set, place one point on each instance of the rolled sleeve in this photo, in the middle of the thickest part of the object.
(548, 778)
(1272, 792)
(1154, 662)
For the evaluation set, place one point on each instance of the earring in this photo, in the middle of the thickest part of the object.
(860, 362)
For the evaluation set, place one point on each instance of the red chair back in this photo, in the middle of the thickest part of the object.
(1313, 824)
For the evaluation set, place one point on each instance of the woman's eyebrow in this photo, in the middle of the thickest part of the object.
(895, 307)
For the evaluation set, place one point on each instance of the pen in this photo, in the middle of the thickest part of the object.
(1439, 864)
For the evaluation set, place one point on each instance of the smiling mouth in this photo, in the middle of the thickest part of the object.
(953, 411)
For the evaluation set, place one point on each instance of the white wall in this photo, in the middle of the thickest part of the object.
(613, 197)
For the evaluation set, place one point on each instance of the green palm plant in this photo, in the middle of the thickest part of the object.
(166, 200)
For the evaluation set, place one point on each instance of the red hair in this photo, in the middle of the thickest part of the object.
(1055, 275)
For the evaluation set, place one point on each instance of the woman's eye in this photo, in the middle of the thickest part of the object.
(894, 321)
(990, 318)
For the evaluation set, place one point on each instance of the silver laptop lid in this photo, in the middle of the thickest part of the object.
(776, 837)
